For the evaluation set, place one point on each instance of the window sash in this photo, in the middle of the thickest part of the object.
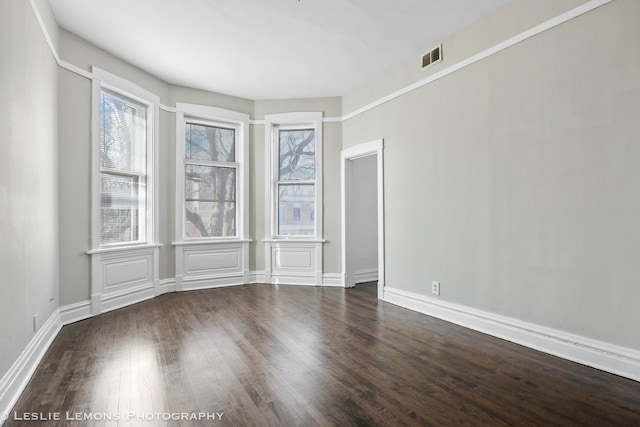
(298, 163)
(123, 157)
(301, 196)
(222, 149)
(123, 133)
(225, 224)
(285, 224)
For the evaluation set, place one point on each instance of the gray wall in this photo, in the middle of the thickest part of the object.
(74, 105)
(363, 220)
(28, 178)
(514, 181)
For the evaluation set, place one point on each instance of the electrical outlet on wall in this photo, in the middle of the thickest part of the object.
(435, 288)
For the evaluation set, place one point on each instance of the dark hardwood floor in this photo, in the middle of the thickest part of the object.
(302, 356)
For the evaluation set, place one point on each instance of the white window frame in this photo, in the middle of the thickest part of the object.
(292, 121)
(128, 272)
(213, 116)
(104, 80)
(292, 260)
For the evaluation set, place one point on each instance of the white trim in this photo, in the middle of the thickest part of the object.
(122, 248)
(333, 280)
(212, 113)
(125, 298)
(75, 69)
(16, 378)
(554, 22)
(372, 148)
(44, 30)
(167, 286)
(121, 278)
(109, 296)
(119, 84)
(218, 274)
(276, 272)
(332, 120)
(210, 242)
(547, 25)
(257, 277)
(284, 120)
(204, 266)
(105, 80)
(168, 109)
(597, 354)
(365, 275)
(294, 240)
(328, 279)
(293, 279)
(324, 120)
(72, 313)
(218, 281)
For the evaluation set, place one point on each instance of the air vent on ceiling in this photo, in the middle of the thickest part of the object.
(432, 57)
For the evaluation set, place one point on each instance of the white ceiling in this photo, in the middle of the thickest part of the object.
(268, 49)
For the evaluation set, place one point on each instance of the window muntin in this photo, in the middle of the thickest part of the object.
(123, 169)
(211, 180)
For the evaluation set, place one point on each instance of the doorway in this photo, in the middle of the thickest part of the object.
(363, 215)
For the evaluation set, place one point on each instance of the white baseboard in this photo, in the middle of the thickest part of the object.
(195, 283)
(257, 277)
(15, 380)
(596, 354)
(328, 279)
(166, 286)
(280, 278)
(75, 312)
(126, 298)
(333, 279)
(365, 275)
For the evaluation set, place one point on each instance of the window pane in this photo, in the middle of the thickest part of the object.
(122, 133)
(120, 209)
(297, 155)
(210, 201)
(296, 204)
(210, 143)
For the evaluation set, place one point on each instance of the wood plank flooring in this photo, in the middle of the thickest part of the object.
(260, 355)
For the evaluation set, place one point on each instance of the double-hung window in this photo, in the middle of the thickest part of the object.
(293, 247)
(125, 248)
(211, 174)
(123, 169)
(210, 179)
(123, 182)
(296, 175)
(296, 182)
(212, 197)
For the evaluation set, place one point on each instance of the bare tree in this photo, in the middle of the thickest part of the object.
(217, 184)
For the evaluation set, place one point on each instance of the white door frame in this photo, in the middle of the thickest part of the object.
(373, 148)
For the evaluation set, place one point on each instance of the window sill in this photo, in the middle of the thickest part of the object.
(122, 248)
(210, 242)
(294, 240)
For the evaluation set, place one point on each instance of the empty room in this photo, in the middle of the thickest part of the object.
(334, 213)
